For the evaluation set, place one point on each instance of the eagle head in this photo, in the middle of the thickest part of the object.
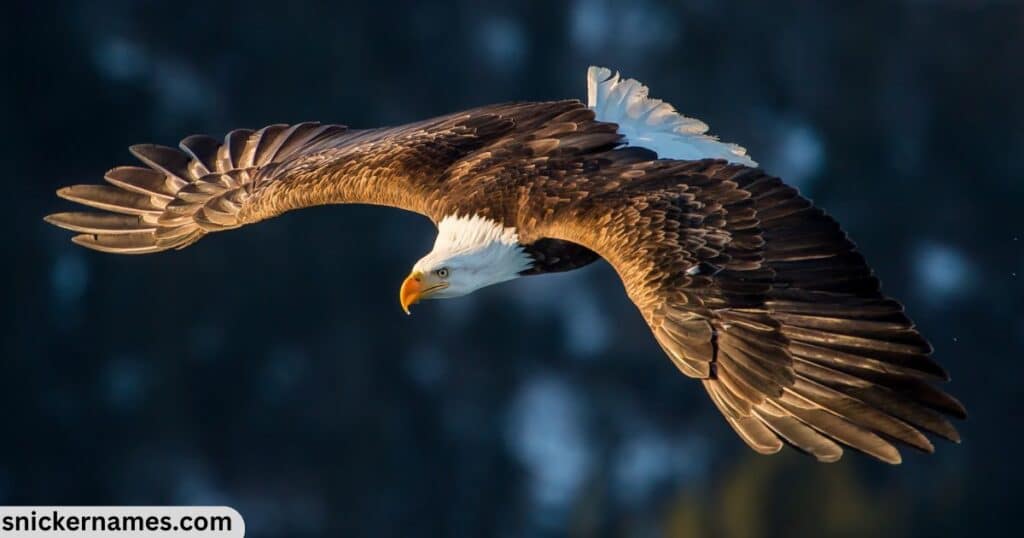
(470, 253)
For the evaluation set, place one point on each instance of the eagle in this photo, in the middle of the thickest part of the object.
(745, 284)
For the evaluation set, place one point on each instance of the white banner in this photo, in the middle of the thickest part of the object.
(113, 521)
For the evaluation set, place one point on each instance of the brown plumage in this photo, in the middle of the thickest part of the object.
(745, 284)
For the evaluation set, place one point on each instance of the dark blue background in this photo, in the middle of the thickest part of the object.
(271, 368)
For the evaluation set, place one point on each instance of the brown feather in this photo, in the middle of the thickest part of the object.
(99, 223)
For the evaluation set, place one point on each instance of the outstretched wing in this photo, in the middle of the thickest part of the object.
(750, 288)
(207, 185)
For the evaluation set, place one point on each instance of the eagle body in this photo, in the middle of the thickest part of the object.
(745, 285)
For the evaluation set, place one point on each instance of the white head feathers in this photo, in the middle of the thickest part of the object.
(477, 252)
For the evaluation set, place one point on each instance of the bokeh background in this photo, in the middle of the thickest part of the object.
(271, 369)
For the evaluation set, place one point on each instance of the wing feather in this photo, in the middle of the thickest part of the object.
(202, 152)
(143, 181)
(100, 223)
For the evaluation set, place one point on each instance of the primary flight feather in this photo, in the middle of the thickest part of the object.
(744, 283)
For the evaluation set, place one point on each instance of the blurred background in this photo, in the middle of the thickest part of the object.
(272, 370)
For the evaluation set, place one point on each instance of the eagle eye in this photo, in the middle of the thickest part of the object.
(442, 272)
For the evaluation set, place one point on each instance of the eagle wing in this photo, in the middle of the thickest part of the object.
(751, 289)
(207, 185)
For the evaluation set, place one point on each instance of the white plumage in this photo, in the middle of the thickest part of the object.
(478, 252)
(653, 123)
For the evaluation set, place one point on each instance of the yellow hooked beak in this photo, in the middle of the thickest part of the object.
(416, 287)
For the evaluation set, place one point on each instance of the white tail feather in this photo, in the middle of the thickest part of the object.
(653, 123)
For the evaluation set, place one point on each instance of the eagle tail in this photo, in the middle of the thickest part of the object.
(181, 194)
(653, 123)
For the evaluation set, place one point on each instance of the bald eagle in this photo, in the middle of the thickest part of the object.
(746, 285)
